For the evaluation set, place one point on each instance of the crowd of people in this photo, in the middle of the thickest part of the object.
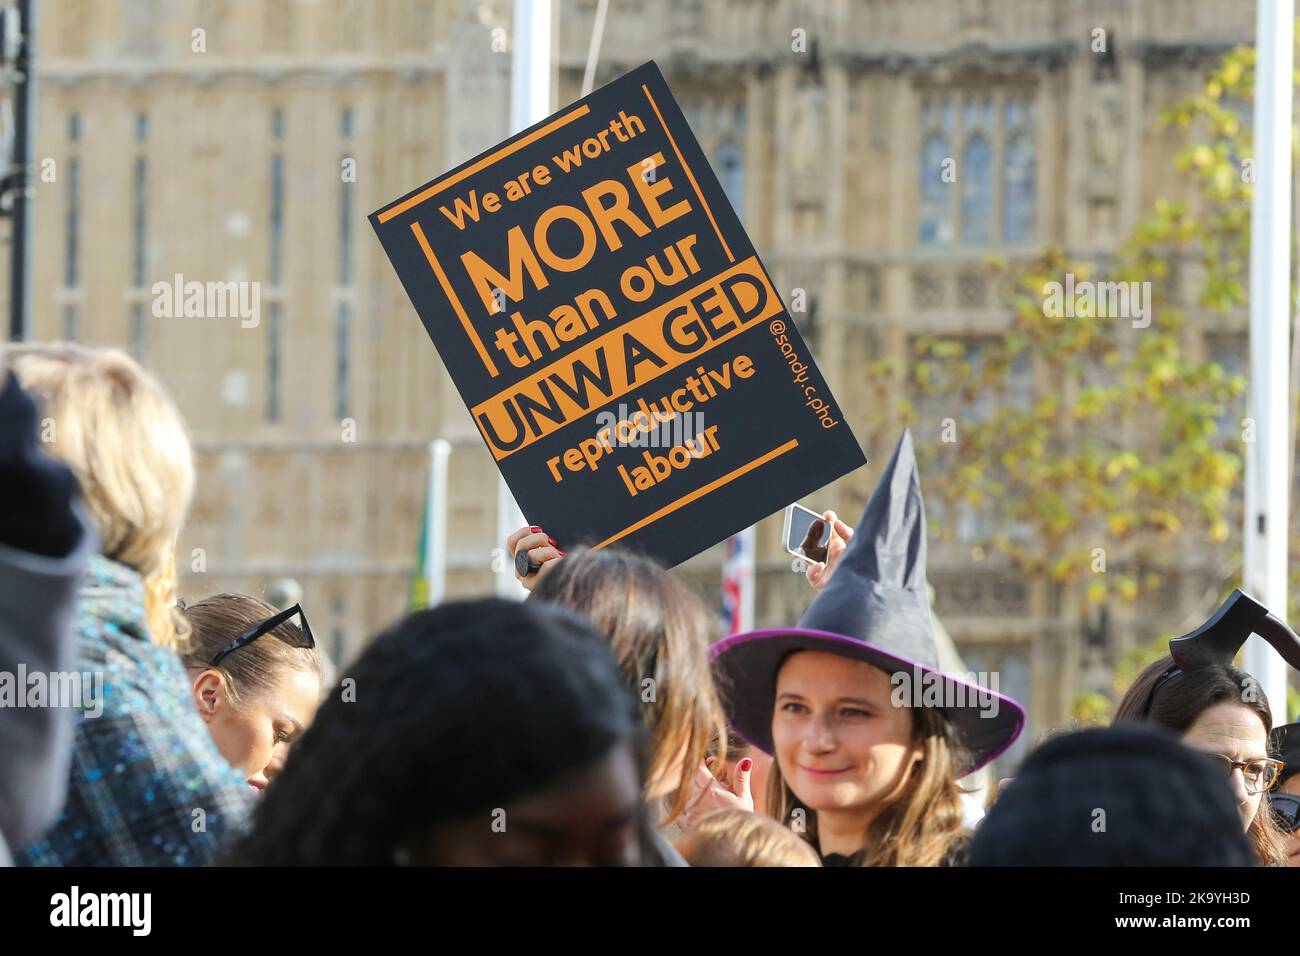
(599, 722)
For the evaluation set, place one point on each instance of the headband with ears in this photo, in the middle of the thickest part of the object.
(1218, 639)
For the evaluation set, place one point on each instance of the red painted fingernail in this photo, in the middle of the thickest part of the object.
(553, 543)
(746, 765)
(534, 528)
(561, 552)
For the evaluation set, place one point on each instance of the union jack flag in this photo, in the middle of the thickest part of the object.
(738, 583)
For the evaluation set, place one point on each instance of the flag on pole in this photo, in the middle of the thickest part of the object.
(418, 594)
(738, 583)
(429, 583)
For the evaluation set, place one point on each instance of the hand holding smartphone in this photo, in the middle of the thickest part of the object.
(816, 538)
(806, 533)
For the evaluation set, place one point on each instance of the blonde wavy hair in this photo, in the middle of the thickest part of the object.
(113, 424)
(741, 838)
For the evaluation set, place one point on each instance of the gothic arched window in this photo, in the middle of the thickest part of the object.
(976, 178)
(1018, 170)
(988, 197)
(731, 173)
(1018, 189)
(936, 219)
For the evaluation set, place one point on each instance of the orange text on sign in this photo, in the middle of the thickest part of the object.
(627, 357)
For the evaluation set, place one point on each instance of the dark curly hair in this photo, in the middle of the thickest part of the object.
(467, 706)
(1164, 804)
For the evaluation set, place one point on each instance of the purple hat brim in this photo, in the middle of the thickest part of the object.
(745, 667)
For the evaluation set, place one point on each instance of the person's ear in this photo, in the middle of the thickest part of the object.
(208, 690)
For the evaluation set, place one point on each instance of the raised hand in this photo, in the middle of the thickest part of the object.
(714, 794)
(540, 551)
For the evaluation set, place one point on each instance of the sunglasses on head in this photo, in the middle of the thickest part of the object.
(304, 638)
(1286, 808)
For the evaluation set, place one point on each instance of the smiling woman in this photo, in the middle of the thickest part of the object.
(871, 780)
(847, 754)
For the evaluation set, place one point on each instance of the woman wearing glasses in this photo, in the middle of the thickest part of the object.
(255, 677)
(1219, 709)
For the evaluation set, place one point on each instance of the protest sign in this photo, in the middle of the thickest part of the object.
(621, 348)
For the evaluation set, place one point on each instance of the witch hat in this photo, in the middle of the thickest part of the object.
(875, 608)
(1218, 640)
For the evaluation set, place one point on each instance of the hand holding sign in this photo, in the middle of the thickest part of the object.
(534, 551)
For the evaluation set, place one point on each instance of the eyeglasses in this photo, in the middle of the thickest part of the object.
(1260, 774)
(1286, 807)
(270, 624)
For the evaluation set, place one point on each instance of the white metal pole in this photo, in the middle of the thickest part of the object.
(509, 520)
(530, 64)
(530, 102)
(1266, 529)
(593, 50)
(435, 528)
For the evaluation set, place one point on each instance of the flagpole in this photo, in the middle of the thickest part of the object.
(435, 524)
(530, 102)
(593, 49)
(1268, 462)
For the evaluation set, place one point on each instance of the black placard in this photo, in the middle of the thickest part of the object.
(621, 348)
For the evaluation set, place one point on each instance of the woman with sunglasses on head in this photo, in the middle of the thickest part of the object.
(255, 677)
(1219, 709)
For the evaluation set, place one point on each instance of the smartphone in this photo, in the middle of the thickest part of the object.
(806, 533)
